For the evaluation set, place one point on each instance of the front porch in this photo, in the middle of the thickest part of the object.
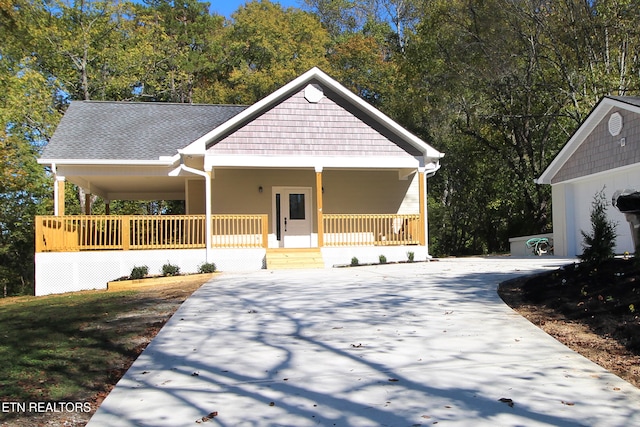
(83, 252)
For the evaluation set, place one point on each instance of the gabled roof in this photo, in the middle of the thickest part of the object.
(138, 133)
(599, 112)
(350, 101)
(112, 130)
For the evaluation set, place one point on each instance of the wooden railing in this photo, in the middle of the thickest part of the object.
(240, 231)
(371, 229)
(112, 232)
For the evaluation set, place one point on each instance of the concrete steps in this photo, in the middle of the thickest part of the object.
(280, 259)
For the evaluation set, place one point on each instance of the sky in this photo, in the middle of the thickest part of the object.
(227, 7)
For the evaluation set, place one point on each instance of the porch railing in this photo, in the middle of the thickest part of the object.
(125, 232)
(130, 232)
(371, 229)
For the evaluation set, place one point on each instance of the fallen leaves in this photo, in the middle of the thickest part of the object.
(207, 417)
(507, 401)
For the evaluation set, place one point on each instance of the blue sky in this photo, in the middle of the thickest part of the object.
(227, 7)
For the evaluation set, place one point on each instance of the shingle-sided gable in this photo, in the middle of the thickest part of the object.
(132, 131)
(601, 151)
(297, 127)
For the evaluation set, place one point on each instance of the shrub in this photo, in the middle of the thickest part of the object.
(382, 259)
(139, 272)
(170, 270)
(410, 256)
(354, 262)
(599, 244)
(207, 267)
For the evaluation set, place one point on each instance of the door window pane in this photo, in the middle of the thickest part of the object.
(296, 206)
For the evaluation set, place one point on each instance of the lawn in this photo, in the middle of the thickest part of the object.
(75, 347)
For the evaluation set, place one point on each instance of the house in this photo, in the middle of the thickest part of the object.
(603, 153)
(311, 168)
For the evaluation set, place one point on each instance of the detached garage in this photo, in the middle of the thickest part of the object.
(604, 153)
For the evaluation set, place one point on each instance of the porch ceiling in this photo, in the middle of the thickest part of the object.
(132, 187)
(158, 183)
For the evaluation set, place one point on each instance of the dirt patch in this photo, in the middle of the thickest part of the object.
(595, 311)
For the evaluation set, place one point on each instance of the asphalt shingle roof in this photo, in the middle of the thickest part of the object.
(632, 100)
(132, 130)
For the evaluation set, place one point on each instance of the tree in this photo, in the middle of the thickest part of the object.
(599, 244)
(511, 80)
(26, 120)
(93, 49)
(267, 47)
(187, 51)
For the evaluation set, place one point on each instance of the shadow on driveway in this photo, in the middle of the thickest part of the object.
(396, 345)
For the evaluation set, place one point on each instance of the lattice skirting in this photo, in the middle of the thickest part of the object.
(59, 272)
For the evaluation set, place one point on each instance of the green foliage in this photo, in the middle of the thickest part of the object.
(599, 244)
(139, 272)
(169, 269)
(382, 259)
(25, 191)
(207, 267)
(267, 47)
(497, 85)
(410, 256)
(354, 262)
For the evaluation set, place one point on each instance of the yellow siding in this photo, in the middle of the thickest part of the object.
(195, 197)
(368, 192)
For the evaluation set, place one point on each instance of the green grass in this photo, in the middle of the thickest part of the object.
(66, 347)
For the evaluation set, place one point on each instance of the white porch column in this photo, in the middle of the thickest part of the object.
(319, 202)
(422, 200)
(58, 195)
(207, 212)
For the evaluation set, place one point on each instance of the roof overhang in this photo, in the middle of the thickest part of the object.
(599, 112)
(163, 161)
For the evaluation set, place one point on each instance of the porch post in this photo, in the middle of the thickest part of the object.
(58, 196)
(319, 203)
(423, 206)
(207, 213)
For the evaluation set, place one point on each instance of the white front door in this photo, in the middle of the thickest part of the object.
(292, 216)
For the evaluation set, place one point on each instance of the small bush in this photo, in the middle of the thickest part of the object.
(600, 243)
(170, 270)
(410, 256)
(382, 259)
(207, 267)
(139, 272)
(354, 262)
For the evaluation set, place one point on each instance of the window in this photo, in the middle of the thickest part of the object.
(296, 206)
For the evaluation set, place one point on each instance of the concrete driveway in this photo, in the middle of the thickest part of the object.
(394, 345)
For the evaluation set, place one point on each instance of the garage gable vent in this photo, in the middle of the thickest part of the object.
(313, 93)
(615, 124)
